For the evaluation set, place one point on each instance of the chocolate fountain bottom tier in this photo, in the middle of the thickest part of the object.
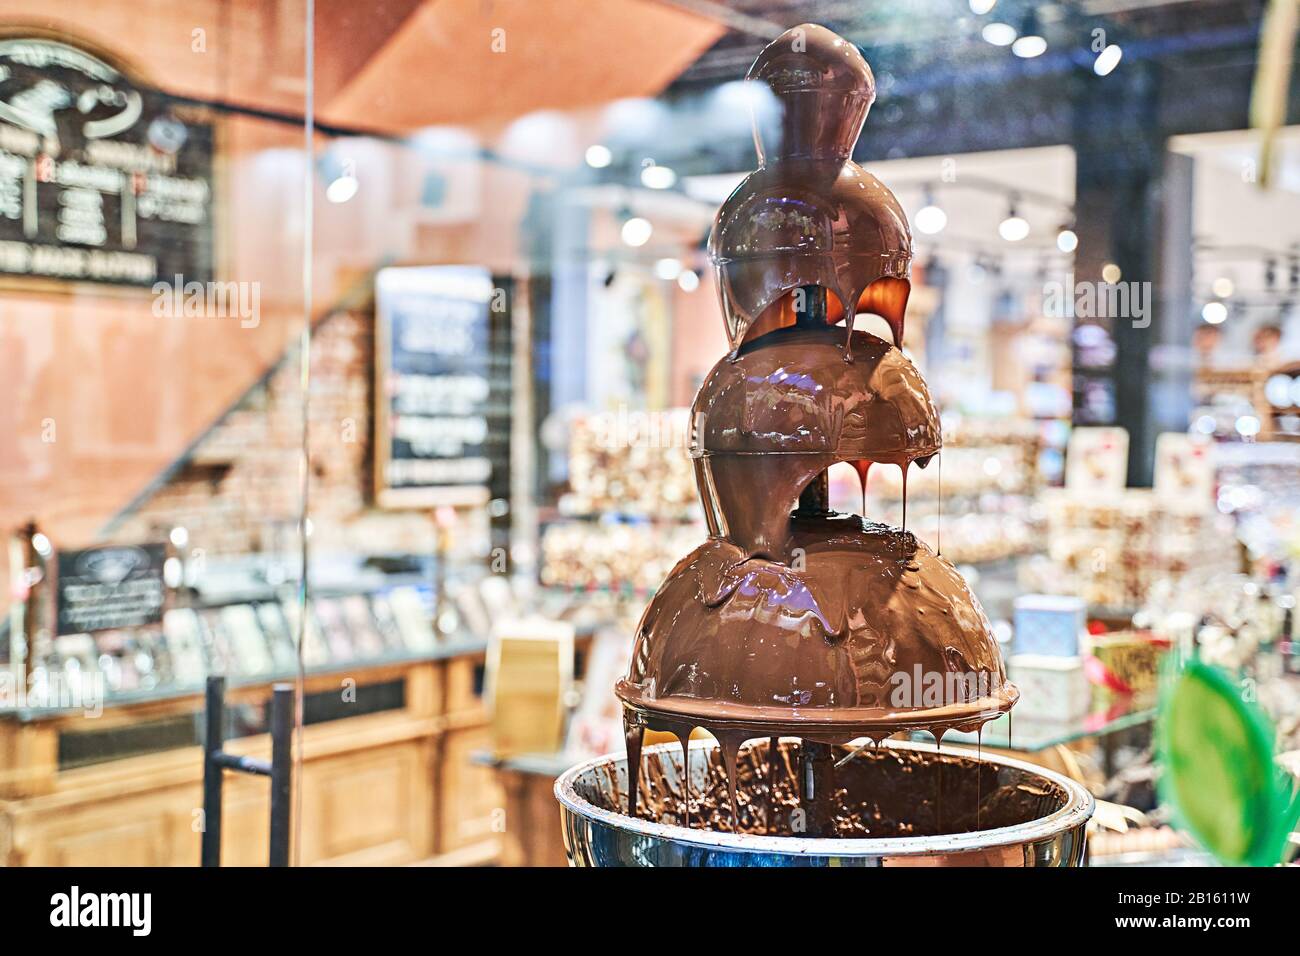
(860, 630)
(897, 805)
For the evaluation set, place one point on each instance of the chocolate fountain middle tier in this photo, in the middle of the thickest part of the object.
(860, 630)
(790, 405)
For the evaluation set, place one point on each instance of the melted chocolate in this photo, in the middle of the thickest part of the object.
(798, 621)
(882, 792)
(837, 632)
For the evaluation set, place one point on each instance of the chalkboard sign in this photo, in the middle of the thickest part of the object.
(101, 589)
(101, 180)
(442, 386)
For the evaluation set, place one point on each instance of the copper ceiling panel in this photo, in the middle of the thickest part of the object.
(440, 66)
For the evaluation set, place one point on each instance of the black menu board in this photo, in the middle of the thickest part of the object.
(101, 180)
(442, 386)
(112, 587)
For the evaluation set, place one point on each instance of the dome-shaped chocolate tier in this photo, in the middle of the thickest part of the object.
(810, 223)
(792, 391)
(860, 630)
(786, 409)
(809, 215)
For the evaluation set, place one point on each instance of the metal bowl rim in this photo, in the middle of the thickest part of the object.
(965, 716)
(1078, 808)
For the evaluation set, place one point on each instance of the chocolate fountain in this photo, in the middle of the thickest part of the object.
(794, 630)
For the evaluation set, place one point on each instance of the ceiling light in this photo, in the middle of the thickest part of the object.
(1107, 59)
(999, 34)
(342, 189)
(668, 269)
(1014, 227)
(42, 545)
(688, 281)
(1214, 312)
(658, 177)
(1223, 287)
(1031, 42)
(981, 7)
(1066, 240)
(1278, 390)
(1028, 47)
(637, 231)
(930, 219)
(598, 156)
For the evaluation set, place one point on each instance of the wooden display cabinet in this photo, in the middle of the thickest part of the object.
(390, 786)
(472, 804)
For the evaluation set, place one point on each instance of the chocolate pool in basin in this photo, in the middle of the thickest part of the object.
(793, 630)
(900, 805)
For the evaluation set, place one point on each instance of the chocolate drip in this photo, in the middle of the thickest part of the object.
(903, 467)
(938, 791)
(684, 737)
(730, 743)
(634, 736)
(862, 468)
(773, 756)
(938, 544)
(884, 792)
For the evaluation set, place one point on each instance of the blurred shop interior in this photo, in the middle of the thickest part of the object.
(420, 393)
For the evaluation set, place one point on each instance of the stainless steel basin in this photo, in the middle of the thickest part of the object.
(1041, 824)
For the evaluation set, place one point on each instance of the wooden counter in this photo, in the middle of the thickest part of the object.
(389, 787)
(534, 835)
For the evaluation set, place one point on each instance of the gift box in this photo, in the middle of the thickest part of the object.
(1052, 687)
(1123, 663)
(1049, 624)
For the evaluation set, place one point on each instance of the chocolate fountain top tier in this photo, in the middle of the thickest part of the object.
(824, 88)
(809, 215)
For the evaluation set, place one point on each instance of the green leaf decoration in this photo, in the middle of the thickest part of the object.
(1218, 770)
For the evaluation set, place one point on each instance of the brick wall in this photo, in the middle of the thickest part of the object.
(237, 492)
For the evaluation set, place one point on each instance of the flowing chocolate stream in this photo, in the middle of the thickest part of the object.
(684, 738)
(862, 468)
(938, 544)
(634, 737)
(886, 792)
(772, 757)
